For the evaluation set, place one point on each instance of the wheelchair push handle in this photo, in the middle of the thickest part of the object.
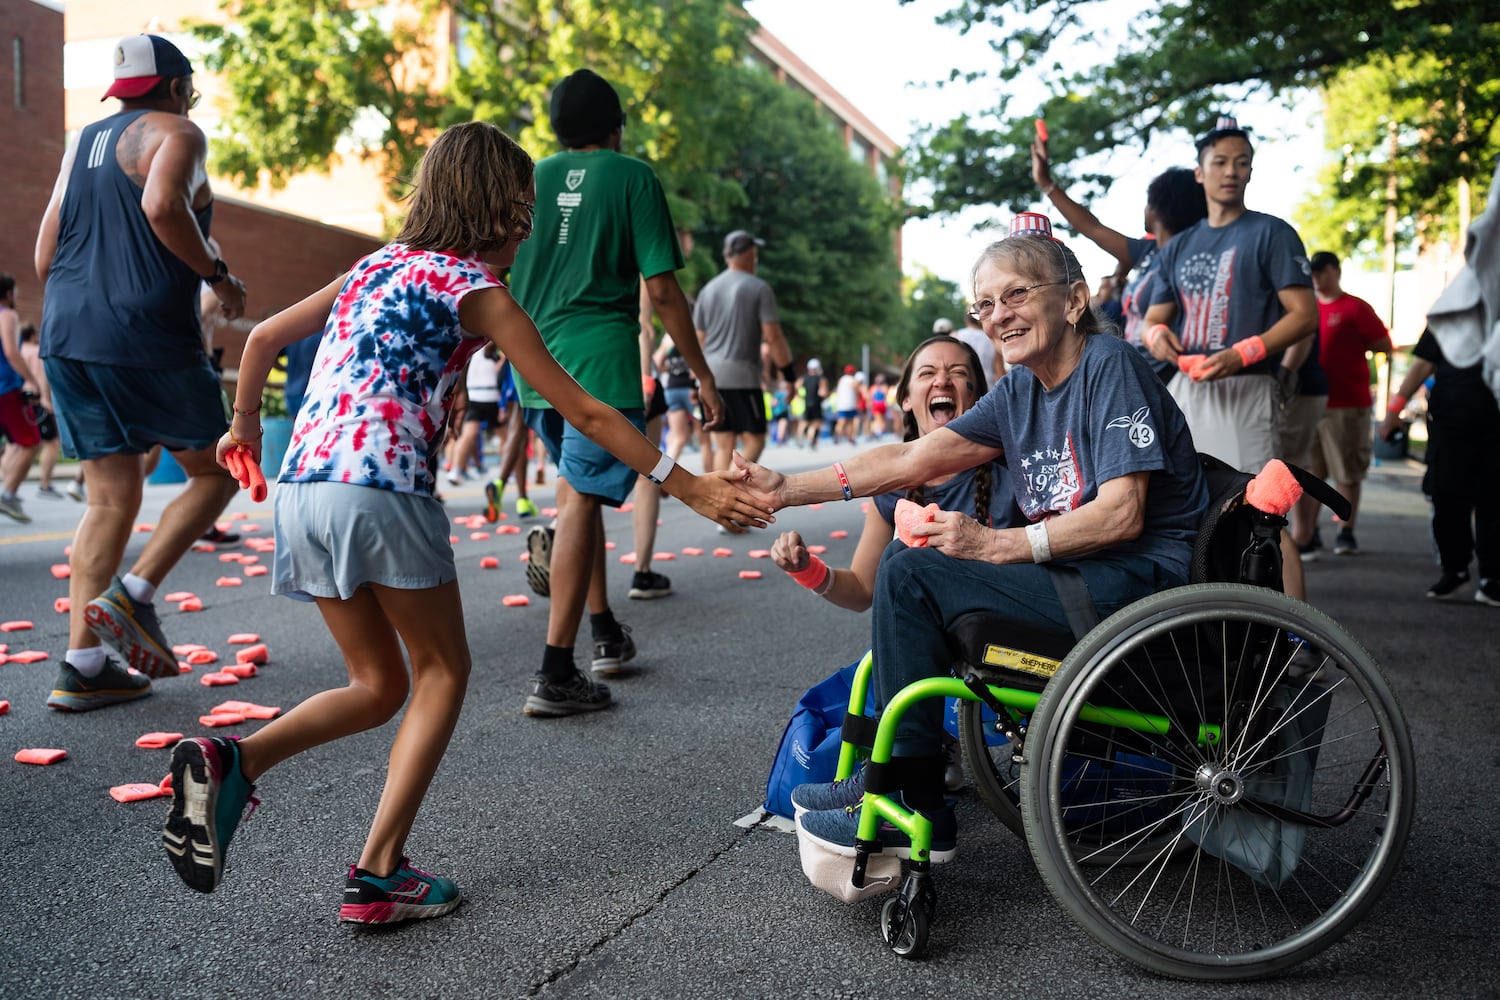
(1278, 486)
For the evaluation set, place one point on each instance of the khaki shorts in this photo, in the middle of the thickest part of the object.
(1233, 419)
(1298, 426)
(1344, 445)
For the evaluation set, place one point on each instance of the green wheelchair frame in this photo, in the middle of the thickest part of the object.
(1332, 853)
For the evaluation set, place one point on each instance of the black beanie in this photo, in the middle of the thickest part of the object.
(584, 109)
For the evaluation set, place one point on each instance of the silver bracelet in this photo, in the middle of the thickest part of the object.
(827, 584)
(1041, 546)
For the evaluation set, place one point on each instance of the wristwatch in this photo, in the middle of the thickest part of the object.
(221, 271)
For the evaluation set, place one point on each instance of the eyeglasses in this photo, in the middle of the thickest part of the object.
(530, 221)
(1016, 296)
(197, 96)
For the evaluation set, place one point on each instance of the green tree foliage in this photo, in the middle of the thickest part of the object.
(309, 80)
(928, 298)
(1179, 63)
(1367, 108)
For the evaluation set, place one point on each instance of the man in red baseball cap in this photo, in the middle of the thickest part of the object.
(124, 249)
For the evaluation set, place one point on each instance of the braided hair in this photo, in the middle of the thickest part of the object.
(982, 485)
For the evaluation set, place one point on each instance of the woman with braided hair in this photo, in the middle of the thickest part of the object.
(942, 378)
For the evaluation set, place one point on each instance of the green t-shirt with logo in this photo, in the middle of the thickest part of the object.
(601, 222)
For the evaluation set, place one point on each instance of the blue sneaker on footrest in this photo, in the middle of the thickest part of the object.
(836, 830)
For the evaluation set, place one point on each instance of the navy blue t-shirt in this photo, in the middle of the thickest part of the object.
(957, 494)
(1111, 417)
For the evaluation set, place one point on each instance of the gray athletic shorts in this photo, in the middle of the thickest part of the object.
(1233, 419)
(333, 538)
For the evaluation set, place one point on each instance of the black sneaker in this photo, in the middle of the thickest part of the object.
(649, 586)
(1488, 592)
(539, 560)
(1344, 544)
(558, 698)
(220, 537)
(1309, 550)
(611, 655)
(112, 685)
(1448, 584)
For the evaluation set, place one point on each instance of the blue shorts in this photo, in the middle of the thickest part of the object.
(680, 399)
(333, 538)
(588, 468)
(114, 410)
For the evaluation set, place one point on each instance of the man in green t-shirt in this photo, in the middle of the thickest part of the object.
(602, 223)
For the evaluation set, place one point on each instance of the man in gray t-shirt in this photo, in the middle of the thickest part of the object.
(734, 313)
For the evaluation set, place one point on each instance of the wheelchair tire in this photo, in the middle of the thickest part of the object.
(997, 778)
(1269, 843)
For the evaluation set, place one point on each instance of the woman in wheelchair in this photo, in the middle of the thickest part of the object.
(942, 379)
(1104, 471)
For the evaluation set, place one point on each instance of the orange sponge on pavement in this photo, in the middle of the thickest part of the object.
(39, 755)
(137, 791)
(158, 741)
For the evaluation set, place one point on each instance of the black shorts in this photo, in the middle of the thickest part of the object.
(482, 413)
(744, 412)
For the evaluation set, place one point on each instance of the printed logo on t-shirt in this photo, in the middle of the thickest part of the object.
(1054, 482)
(1141, 434)
(575, 179)
(1204, 284)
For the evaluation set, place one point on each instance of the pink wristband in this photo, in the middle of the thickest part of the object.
(1152, 332)
(1396, 403)
(838, 470)
(813, 575)
(1251, 350)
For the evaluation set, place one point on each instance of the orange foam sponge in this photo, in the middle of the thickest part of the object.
(515, 600)
(137, 791)
(489, 562)
(61, 570)
(62, 605)
(248, 709)
(749, 574)
(663, 556)
(628, 559)
(221, 719)
(817, 550)
(40, 755)
(838, 534)
(190, 604)
(158, 741)
(909, 514)
(723, 553)
(229, 581)
(1275, 490)
(257, 653)
(17, 626)
(26, 656)
(218, 679)
(256, 570)
(242, 639)
(692, 551)
(507, 529)
(244, 671)
(198, 657)
(178, 596)
(758, 553)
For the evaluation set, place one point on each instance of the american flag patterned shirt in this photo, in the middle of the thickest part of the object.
(378, 397)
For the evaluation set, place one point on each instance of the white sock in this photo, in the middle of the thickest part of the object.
(88, 662)
(139, 588)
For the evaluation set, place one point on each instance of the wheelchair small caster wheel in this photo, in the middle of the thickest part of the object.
(905, 925)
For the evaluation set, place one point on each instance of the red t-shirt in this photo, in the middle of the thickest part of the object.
(1347, 327)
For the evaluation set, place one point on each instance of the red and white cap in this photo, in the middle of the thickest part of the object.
(1226, 123)
(1032, 224)
(143, 61)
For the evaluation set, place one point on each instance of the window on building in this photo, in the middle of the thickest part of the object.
(18, 65)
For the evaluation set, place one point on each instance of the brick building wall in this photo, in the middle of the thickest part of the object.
(31, 136)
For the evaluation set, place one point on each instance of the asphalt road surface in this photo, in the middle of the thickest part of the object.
(599, 854)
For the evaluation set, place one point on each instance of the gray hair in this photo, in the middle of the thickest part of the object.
(1038, 258)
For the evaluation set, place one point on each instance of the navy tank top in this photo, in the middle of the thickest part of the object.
(115, 294)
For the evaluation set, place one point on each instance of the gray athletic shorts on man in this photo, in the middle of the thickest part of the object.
(1233, 419)
(333, 538)
(114, 410)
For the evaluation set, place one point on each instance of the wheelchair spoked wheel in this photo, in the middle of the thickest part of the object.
(1286, 784)
(997, 777)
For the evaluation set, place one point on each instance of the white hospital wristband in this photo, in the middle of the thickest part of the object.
(1041, 547)
(663, 469)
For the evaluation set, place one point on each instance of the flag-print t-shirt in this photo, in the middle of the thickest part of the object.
(378, 396)
(1111, 417)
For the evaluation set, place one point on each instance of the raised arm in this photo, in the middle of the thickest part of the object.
(1111, 241)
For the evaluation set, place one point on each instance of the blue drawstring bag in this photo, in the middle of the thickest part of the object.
(809, 750)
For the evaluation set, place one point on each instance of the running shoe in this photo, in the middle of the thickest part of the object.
(839, 794)
(112, 685)
(570, 697)
(525, 508)
(1488, 592)
(612, 653)
(649, 586)
(11, 507)
(406, 894)
(539, 561)
(836, 830)
(494, 493)
(209, 795)
(1344, 543)
(130, 628)
(49, 492)
(1448, 585)
(1308, 550)
(77, 492)
(219, 536)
